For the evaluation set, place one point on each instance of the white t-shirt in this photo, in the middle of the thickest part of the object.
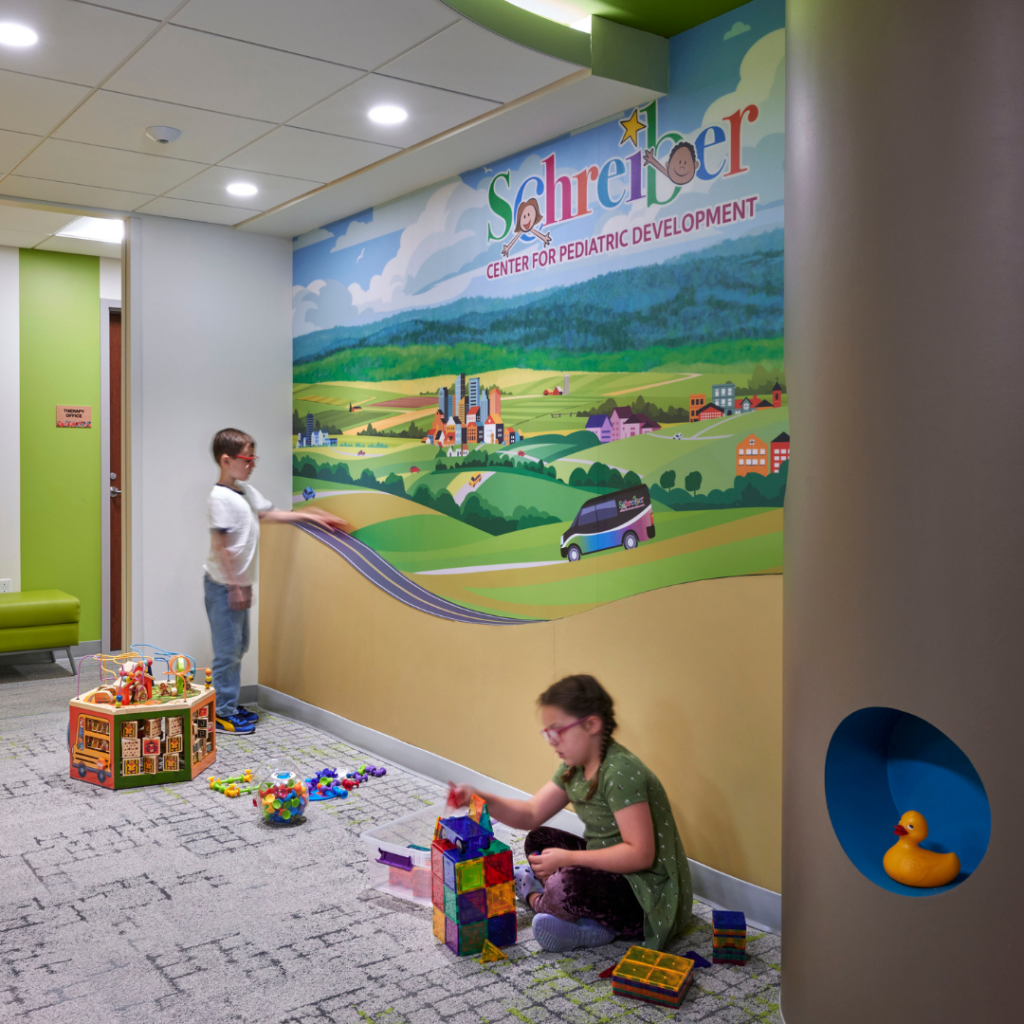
(235, 513)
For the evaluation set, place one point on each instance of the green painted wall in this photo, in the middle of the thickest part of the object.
(60, 468)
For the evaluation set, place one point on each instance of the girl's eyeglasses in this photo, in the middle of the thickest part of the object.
(554, 734)
(248, 458)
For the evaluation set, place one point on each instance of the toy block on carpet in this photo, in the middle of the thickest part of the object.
(730, 937)
(652, 977)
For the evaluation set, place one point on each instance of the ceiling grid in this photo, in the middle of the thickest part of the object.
(274, 95)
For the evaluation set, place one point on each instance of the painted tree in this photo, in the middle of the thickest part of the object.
(668, 479)
(692, 482)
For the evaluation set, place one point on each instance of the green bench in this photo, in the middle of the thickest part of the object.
(39, 620)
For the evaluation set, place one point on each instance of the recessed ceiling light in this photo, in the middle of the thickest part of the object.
(12, 34)
(387, 114)
(95, 229)
(242, 188)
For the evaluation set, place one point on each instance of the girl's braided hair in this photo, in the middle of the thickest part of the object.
(582, 696)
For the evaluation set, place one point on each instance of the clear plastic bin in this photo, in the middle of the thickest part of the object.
(397, 864)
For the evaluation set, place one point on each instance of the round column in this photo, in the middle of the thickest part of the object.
(905, 509)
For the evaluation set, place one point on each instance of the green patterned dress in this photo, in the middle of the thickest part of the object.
(664, 891)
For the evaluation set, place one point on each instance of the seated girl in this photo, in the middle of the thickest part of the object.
(628, 876)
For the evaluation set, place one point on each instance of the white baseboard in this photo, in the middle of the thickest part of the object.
(763, 908)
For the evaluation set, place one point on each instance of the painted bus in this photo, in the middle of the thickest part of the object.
(622, 518)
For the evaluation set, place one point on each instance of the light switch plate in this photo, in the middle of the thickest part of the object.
(5, 586)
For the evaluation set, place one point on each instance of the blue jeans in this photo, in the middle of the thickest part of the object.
(230, 631)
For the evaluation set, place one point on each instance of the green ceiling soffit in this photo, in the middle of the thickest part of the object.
(620, 52)
(659, 17)
(662, 17)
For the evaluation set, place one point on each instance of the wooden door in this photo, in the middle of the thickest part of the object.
(116, 480)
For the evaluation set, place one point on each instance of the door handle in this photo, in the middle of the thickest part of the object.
(114, 492)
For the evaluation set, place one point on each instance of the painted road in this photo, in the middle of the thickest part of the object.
(466, 489)
(383, 574)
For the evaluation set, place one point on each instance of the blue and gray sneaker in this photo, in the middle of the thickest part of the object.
(249, 716)
(235, 723)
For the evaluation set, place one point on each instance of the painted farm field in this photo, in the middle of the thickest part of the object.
(483, 529)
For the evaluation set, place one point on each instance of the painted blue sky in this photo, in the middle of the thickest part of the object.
(430, 248)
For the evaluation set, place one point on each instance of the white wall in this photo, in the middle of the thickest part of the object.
(110, 278)
(10, 420)
(210, 348)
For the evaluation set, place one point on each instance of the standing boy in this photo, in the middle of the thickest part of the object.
(235, 509)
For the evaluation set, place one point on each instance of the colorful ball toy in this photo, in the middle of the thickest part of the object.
(282, 797)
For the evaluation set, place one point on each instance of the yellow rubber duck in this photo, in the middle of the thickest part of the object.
(908, 864)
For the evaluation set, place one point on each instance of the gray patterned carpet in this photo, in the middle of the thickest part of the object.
(176, 904)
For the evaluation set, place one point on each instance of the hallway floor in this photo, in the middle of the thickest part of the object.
(174, 903)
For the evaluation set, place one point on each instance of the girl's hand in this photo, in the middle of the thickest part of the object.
(547, 862)
(459, 796)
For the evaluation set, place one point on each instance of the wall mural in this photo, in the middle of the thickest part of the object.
(557, 381)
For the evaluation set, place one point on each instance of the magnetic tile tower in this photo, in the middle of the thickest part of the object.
(730, 937)
(473, 893)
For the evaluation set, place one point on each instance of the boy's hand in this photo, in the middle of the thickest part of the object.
(239, 598)
(325, 518)
(547, 862)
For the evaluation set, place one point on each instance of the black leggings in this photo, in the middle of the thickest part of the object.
(575, 892)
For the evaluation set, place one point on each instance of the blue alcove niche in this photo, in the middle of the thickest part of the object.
(881, 763)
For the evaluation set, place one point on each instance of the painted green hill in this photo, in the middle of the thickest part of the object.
(727, 291)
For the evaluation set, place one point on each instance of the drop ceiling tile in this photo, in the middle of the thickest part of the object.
(83, 246)
(185, 209)
(101, 167)
(112, 119)
(469, 59)
(24, 218)
(158, 9)
(77, 42)
(360, 33)
(199, 70)
(22, 239)
(430, 111)
(211, 187)
(36, 105)
(66, 192)
(313, 155)
(14, 146)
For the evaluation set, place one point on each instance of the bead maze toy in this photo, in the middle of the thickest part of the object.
(653, 977)
(472, 889)
(730, 937)
(137, 730)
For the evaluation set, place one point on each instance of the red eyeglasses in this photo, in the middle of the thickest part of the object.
(247, 458)
(554, 734)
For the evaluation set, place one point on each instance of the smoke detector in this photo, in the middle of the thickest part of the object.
(162, 134)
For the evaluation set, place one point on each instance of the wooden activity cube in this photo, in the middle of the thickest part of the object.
(141, 744)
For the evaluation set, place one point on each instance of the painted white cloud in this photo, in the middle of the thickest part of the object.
(763, 83)
(320, 304)
(443, 238)
(737, 29)
(390, 217)
(311, 238)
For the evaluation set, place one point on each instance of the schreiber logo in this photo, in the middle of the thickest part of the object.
(557, 199)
